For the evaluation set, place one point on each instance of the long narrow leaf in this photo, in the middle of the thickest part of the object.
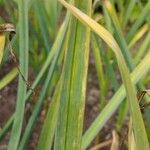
(43, 20)
(120, 38)
(71, 114)
(39, 103)
(47, 134)
(100, 71)
(143, 48)
(128, 11)
(52, 11)
(144, 14)
(138, 125)
(57, 44)
(23, 49)
(48, 130)
(8, 78)
(138, 35)
(139, 72)
(2, 44)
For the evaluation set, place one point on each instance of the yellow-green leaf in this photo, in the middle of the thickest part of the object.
(3, 29)
(138, 124)
(2, 44)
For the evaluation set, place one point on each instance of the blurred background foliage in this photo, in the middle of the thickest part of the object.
(50, 35)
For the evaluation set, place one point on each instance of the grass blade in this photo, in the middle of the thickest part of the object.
(74, 76)
(120, 38)
(23, 49)
(8, 78)
(138, 23)
(139, 72)
(57, 44)
(44, 90)
(2, 44)
(47, 134)
(138, 35)
(138, 125)
(122, 43)
(43, 20)
(100, 71)
(128, 11)
(52, 11)
(143, 48)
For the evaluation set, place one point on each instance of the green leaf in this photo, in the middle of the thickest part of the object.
(48, 130)
(72, 99)
(138, 125)
(43, 19)
(139, 21)
(120, 38)
(22, 87)
(139, 72)
(8, 78)
(2, 44)
(143, 48)
(43, 93)
(57, 45)
(100, 71)
(52, 11)
(128, 11)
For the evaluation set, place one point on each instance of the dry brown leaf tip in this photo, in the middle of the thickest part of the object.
(7, 27)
